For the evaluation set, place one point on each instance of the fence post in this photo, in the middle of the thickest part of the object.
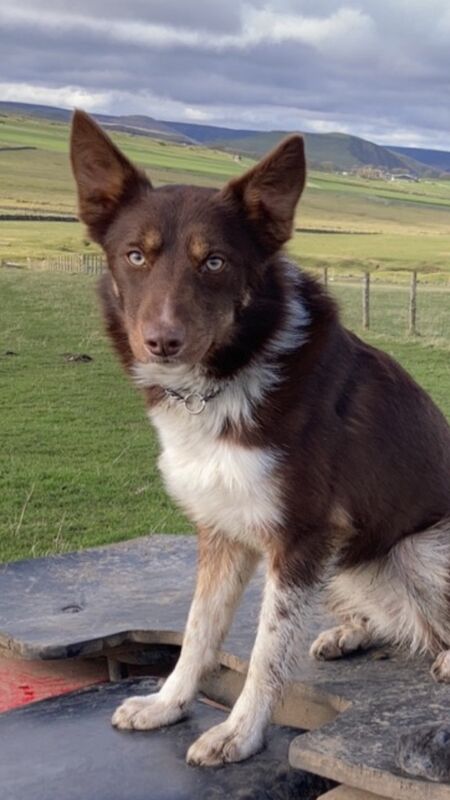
(413, 304)
(325, 277)
(366, 301)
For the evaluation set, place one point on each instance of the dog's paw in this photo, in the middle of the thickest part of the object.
(222, 744)
(338, 642)
(146, 713)
(440, 669)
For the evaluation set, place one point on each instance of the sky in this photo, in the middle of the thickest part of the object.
(379, 69)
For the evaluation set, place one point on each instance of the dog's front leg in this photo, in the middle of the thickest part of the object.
(274, 655)
(224, 570)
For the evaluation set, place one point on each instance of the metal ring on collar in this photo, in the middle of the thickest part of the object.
(194, 403)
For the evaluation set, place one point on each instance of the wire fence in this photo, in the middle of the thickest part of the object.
(406, 306)
(417, 311)
(88, 263)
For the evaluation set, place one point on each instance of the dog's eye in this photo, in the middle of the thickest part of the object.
(214, 263)
(136, 258)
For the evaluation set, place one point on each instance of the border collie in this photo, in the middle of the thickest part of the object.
(282, 435)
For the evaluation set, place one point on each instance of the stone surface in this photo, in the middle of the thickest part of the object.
(140, 591)
(77, 603)
(66, 748)
(426, 752)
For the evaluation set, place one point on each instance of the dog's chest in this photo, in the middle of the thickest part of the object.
(221, 484)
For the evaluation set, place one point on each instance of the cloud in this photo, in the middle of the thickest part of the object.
(258, 25)
(65, 96)
(375, 68)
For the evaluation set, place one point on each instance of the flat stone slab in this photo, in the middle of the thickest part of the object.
(77, 604)
(140, 591)
(66, 748)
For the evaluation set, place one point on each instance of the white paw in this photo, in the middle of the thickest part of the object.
(339, 641)
(146, 713)
(440, 669)
(222, 744)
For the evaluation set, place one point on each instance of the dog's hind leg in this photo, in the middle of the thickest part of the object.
(223, 572)
(401, 599)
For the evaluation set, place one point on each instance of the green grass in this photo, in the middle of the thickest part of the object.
(429, 253)
(36, 239)
(78, 458)
(425, 192)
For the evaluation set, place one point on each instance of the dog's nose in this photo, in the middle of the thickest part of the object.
(162, 341)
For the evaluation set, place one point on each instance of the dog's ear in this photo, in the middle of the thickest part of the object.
(104, 176)
(269, 192)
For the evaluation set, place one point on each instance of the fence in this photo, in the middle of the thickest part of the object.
(404, 306)
(89, 263)
(410, 307)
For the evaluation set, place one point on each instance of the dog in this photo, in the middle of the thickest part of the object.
(282, 434)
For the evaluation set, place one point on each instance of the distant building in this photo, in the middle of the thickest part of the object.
(371, 173)
(404, 176)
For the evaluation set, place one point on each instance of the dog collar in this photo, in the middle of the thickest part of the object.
(194, 402)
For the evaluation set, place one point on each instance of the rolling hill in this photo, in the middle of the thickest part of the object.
(334, 151)
(435, 159)
(338, 151)
(138, 124)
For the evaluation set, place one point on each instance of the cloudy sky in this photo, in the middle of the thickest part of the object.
(376, 68)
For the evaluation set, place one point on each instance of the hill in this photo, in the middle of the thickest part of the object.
(436, 159)
(337, 151)
(333, 151)
(138, 124)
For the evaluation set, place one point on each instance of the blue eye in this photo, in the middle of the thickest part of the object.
(136, 258)
(214, 263)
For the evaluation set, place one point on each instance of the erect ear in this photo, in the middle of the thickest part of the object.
(269, 192)
(104, 176)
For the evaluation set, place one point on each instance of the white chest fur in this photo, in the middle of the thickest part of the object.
(220, 484)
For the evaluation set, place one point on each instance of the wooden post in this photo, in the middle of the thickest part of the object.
(366, 301)
(325, 277)
(413, 304)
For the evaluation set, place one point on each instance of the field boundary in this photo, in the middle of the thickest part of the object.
(88, 263)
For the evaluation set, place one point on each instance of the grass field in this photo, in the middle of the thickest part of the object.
(78, 457)
(77, 463)
(345, 222)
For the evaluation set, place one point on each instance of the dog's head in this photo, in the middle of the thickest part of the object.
(184, 261)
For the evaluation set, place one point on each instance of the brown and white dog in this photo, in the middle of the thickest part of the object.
(282, 434)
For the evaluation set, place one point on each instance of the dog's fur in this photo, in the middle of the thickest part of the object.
(313, 449)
